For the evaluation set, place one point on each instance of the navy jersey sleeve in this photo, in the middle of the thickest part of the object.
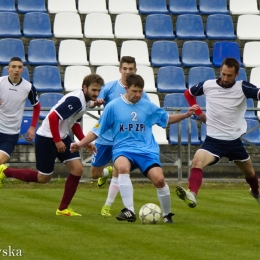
(33, 97)
(250, 90)
(197, 90)
(69, 107)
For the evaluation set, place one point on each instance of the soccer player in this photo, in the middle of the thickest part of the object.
(104, 143)
(52, 141)
(133, 143)
(225, 123)
(14, 90)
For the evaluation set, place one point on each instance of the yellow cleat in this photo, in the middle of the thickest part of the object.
(69, 212)
(2, 175)
(102, 181)
(105, 211)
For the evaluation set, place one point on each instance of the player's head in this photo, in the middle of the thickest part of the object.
(229, 71)
(91, 86)
(15, 69)
(127, 67)
(134, 87)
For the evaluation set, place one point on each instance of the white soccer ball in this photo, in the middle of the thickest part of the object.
(150, 213)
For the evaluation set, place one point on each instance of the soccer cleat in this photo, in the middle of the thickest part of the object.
(105, 211)
(257, 197)
(187, 196)
(126, 215)
(69, 212)
(168, 218)
(102, 180)
(2, 175)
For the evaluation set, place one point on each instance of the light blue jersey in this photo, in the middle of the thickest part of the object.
(131, 125)
(109, 92)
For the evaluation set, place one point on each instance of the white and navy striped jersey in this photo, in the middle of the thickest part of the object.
(13, 98)
(225, 107)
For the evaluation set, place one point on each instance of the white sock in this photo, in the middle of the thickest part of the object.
(165, 199)
(105, 172)
(112, 191)
(126, 191)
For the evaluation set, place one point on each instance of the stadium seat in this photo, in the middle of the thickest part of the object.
(120, 7)
(220, 27)
(67, 25)
(47, 101)
(224, 49)
(73, 77)
(92, 6)
(190, 26)
(248, 27)
(58, 6)
(251, 54)
(26, 6)
(7, 6)
(153, 7)
(242, 74)
(25, 124)
(213, 7)
(165, 53)
(177, 101)
(177, 7)
(103, 52)
(72, 52)
(250, 114)
(237, 7)
(173, 133)
(42, 52)
(10, 25)
(9, 48)
(252, 137)
(37, 25)
(195, 53)
(137, 49)
(108, 73)
(25, 73)
(28, 108)
(128, 26)
(98, 25)
(171, 79)
(148, 76)
(200, 74)
(154, 98)
(254, 77)
(47, 79)
(159, 26)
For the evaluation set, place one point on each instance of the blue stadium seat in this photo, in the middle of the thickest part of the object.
(173, 133)
(42, 52)
(26, 123)
(159, 26)
(26, 6)
(200, 74)
(250, 114)
(224, 49)
(183, 7)
(37, 25)
(253, 136)
(7, 6)
(190, 26)
(10, 25)
(25, 73)
(47, 79)
(153, 7)
(165, 53)
(220, 27)
(242, 75)
(213, 7)
(171, 79)
(9, 48)
(176, 100)
(28, 113)
(47, 101)
(195, 53)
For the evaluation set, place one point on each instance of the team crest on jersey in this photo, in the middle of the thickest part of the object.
(96, 125)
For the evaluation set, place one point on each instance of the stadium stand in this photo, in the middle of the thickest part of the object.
(248, 27)
(251, 54)
(120, 7)
(177, 7)
(7, 6)
(200, 74)
(108, 73)
(176, 100)
(242, 75)
(92, 6)
(26, 122)
(58, 6)
(253, 133)
(9, 25)
(26, 6)
(148, 75)
(153, 7)
(213, 7)
(243, 7)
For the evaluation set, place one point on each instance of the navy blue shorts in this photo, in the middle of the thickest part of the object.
(234, 150)
(46, 153)
(103, 156)
(8, 143)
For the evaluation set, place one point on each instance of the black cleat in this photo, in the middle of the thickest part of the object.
(126, 215)
(168, 218)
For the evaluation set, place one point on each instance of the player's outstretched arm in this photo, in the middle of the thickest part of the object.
(174, 118)
(90, 137)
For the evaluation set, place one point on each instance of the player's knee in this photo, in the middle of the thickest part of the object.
(44, 178)
(159, 182)
(196, 163)
(78, 171)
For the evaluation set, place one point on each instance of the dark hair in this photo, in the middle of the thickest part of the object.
(134, 79)
(16, 59)
(127, 59)
(93, 78)
(231, 62)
